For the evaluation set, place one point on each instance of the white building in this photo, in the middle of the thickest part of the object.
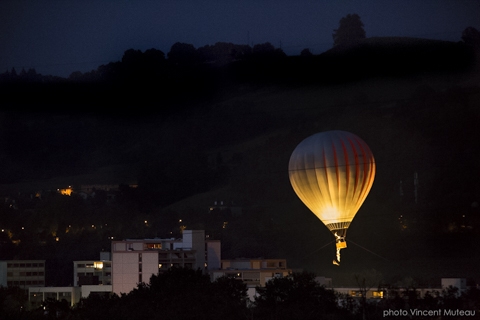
(37, 295)
(459, 283)
(93, 276)
(101, 290)
(324, 281)
(136, 260)
(92, 272)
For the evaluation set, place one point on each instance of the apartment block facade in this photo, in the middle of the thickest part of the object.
(22, 273)
(136, 260)
(92, 273)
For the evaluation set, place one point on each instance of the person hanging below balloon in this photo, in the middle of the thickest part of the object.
(332, 173)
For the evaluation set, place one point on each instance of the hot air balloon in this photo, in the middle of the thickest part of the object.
(332, 173)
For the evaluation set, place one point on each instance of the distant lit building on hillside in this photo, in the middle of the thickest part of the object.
(91, 188)
(229, 209)
(136, 260)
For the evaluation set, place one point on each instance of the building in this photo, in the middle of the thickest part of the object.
(371, 293)
(99, 290)
(89, 277)
(36, 295)
(385, 293)
(22, 273)
(136, 260)
(229, 209)
(380, 293)
(459, 283)
(93, 272)
(91, 188)
(253, 272)
(323, 281)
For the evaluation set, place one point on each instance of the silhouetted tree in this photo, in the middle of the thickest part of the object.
(297, 296)
(13, 303)
(230, 296)
(154, 56)
(182, 293)
(182, 53)
(365, 281)
(56, 309)
(267, 50)
(306, 53)
(350, 30)
(471, 36)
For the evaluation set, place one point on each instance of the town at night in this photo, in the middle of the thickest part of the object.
(270, 175)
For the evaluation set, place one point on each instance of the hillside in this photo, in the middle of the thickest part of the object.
(421, 125)
(234, 144)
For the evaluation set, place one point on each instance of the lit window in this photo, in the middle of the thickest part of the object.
(154, 245)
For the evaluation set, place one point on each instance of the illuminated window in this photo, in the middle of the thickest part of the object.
(154, 246)
(354, 293)
(66, 192)
(98, 265)
(378, 294)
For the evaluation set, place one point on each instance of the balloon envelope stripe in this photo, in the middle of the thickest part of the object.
(337, 176)
(348, 189)
(366, 171)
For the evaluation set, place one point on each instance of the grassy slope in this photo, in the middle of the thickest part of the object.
(283, 226)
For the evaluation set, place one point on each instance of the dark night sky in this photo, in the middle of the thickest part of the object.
(59, 37)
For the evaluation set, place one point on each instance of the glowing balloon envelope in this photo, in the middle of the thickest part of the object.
(332, 173)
